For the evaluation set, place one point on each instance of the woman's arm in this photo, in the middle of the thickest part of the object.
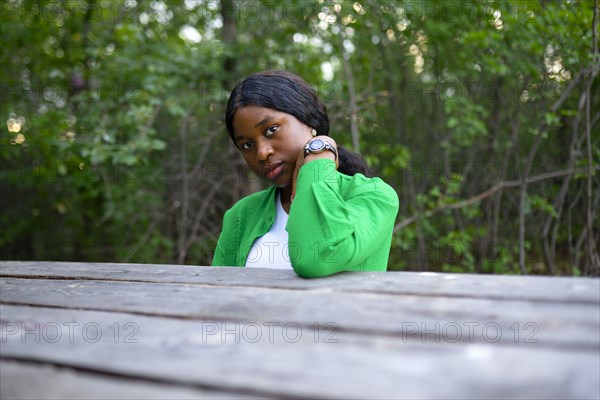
(224, 256)
(334, 228)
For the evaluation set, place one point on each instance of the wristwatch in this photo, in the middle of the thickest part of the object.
(318, 146)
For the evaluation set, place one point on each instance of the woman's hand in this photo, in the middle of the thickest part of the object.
(301, 160)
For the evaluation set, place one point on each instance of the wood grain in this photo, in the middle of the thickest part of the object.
(76, 330)
(356, 366)
(27, 380)
(480, 320)
(497, 287)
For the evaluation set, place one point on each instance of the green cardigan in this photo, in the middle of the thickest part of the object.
(336, 223)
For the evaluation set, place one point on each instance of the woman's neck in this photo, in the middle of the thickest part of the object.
(285, 195)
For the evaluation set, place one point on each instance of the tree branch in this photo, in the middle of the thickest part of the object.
(185, 197)
(489, 192)
(594, 260)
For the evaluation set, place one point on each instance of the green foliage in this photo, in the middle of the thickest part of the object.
(115, 148)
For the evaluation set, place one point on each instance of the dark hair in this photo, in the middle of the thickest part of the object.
(285, 92)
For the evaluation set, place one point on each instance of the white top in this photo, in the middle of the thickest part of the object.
(271, 249)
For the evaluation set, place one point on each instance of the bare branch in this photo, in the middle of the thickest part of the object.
(185, 198)
(489, 192)
(594, 259)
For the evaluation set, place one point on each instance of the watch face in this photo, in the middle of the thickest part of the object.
(316, 144)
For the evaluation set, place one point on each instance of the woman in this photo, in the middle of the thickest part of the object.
(322, 215)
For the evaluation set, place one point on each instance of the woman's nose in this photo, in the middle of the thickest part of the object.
(264, 151)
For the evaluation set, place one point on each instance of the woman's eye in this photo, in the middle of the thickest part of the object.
(247, 145)
(271, 130)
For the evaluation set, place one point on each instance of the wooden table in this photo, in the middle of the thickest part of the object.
(79, 330)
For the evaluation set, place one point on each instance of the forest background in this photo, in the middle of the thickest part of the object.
(483, 115)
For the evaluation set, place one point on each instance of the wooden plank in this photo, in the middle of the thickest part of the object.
(566, 325)
(357, 366)
(498, 287)
(26, 380)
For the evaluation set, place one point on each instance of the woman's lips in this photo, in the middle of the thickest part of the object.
(274, 170)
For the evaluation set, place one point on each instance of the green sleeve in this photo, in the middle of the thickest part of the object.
(218, 257)
(333, 230)
(224, 256)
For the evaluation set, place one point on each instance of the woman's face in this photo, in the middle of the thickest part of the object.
(270, 142)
